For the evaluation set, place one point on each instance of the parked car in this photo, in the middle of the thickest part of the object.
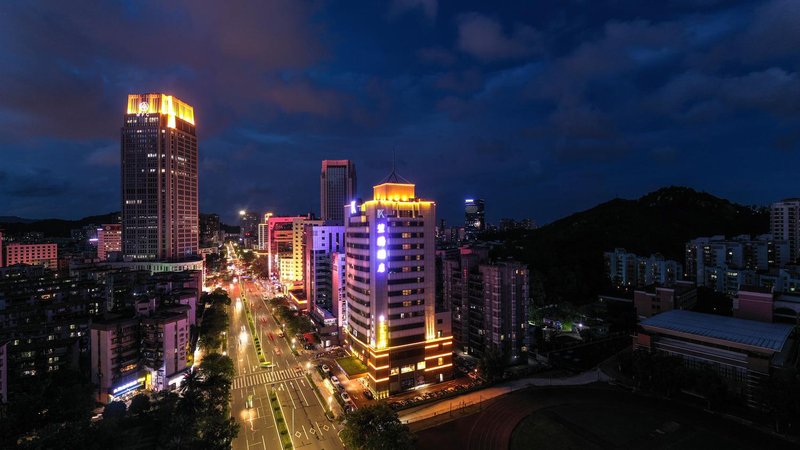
(339, 386)
(368, 394)
(334, 379)
(309, 346)
(345, 396)
(326, 369)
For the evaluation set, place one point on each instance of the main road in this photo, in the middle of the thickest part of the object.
(303, 410)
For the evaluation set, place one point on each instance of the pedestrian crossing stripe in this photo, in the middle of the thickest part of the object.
(266, 377)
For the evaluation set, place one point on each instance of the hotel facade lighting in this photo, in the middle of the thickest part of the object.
(393, 326)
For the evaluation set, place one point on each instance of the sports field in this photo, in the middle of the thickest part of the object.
(613, 426)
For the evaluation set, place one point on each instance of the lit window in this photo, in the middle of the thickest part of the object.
(382, 254)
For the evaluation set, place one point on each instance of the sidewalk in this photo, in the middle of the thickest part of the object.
(448, 406)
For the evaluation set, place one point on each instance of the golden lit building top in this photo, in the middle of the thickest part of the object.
(393, 191)
(161, 104)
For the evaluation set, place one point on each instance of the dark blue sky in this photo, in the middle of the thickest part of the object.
(542, 108)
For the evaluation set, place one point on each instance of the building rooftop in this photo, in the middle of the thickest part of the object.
(770, 336)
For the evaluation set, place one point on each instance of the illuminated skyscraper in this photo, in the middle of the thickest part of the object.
(337, 188)
(474, 217)
(393, 325)
(159, 179)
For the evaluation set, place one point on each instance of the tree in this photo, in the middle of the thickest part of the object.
(140, 404)
(492, 364)
(376, 427)
(114, 410)
(216, 365)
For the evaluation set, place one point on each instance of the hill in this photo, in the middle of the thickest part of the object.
(53, 227)
(567, 255)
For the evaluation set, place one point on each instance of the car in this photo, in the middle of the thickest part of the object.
(345, 396)
(339, 386)
(280, 334)
(334, 379)
(309, 346)
(326, 369)
(249, 401)
(368, 394)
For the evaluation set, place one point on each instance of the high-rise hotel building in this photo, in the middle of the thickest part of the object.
(393, 325)
(337, 188)
(159, 179)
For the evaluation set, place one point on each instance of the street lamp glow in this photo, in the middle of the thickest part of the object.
(242, 212)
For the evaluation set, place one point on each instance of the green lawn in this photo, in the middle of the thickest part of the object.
(352, 366)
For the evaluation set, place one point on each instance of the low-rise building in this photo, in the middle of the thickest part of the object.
(656, 299)
(33, 254)
(742, 352)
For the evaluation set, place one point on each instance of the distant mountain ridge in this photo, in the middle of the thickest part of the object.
(568, 254)
(53, 227)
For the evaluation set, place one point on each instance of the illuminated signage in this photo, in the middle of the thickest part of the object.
(382, 253)
(128, 386)
(469, 200)
(144, 107)
(352, 207)
(381, 213)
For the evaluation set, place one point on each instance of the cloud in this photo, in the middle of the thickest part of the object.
(436, 55)
(34, 183)
(464, 81)
(774, 32)
(107, 156)
(428, 7)
(484, 38)
(68, 65)
(773, 90)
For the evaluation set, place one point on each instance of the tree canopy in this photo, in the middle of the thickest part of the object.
(376, 427)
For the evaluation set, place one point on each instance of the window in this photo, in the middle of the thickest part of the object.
(421, 365)
(407, 368)
(394, 371)
(441, 361)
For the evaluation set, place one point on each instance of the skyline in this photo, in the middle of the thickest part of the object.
(564, 106)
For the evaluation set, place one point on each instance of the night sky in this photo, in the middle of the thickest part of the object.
(542, 108)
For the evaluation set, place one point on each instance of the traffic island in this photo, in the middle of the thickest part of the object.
(262, 359)
(283, 430)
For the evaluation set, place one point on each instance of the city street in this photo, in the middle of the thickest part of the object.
(302, 409)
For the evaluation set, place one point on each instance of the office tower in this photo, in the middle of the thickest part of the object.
(159, 179)
(784, 223)
(279, 241)
(109, 240)
(320, 242)
(337, 188)
(474, 218)
(393, 326)
(248, 225)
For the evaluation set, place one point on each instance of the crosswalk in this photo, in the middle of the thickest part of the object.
(266, 377)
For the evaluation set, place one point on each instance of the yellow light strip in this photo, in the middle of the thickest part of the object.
(378, 367)
(370, 348)
(438, 367)
(377, 380)
(438, 356)
(434, 346)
